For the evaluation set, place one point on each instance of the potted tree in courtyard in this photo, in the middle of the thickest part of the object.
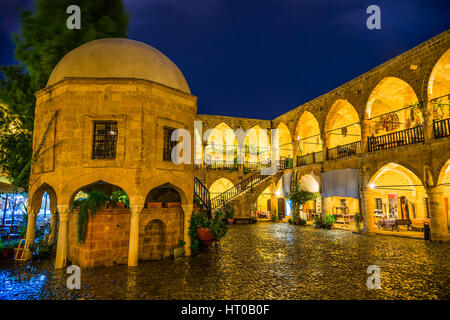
(329, 221)
(229, 213)
(206, 230)
(298, 198)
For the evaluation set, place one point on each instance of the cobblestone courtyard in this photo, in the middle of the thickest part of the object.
(262, 261)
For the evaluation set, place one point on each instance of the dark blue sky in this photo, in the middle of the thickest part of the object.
(261, 58)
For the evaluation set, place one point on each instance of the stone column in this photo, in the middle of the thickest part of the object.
(31, 231)
(61, 248)
(295, 153)
(438, 223)
(365, 133)
(133, 247)
(53, 220)
(428, 119)
(368, 208)
(187, 209)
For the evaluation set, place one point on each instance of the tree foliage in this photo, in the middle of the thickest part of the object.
(299, 197)
(42, 41)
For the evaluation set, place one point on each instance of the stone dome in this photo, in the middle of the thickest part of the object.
(119, 58)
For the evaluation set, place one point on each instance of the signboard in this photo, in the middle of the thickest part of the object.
(393, 206)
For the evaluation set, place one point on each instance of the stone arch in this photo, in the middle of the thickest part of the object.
(308, 134)
(184, 188)
(258, 139)
(221, 143)
(70, 190)
(342, 124)
(310, 182)
(399, 182)
(219, 186)
(438, 89)
(36, 197)
(284, 141)
(444, 174)
(153, 240)
(388, 107)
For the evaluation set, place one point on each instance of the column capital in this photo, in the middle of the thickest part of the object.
(136, 209)
(439, 189)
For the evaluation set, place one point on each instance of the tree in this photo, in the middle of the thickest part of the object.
(299, 197)
(41, 42)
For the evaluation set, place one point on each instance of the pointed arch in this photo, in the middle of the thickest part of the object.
(342, 124)
(308, 134)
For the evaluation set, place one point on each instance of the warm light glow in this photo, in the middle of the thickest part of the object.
(371, 186)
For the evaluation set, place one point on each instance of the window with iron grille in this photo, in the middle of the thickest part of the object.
(168, 144)
(105, 140)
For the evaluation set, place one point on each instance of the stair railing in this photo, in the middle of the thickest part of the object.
(203, 194)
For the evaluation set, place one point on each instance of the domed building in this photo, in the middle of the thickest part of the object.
(104, 122)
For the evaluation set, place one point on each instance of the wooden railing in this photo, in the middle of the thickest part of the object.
(309, 158)
(224, 165)
(285, 164)
(441, 128)
(255, 166)
(345, 150)
(203, 194)
(396, 139)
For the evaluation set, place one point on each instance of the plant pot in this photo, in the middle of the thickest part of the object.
(297, 222)
(120, 205)
(178, 252)
(205, 236)
(230, 221)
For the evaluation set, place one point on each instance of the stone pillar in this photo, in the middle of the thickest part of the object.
(61, 248)
(31, 231)
(368, 208)
(187, 209)
(438, 223)
(53, 221)
(428, 119)
(295, 153)
(133, 246)
(365, 133)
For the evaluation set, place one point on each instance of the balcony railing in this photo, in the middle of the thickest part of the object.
(345, 150)
(441, 128)
(396, 139)
(309, 158)
(285, 164)
(224, 165)
(255, 166)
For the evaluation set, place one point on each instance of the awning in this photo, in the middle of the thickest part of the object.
(341, 183)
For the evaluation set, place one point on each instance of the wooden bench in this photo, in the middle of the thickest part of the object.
(401, 222)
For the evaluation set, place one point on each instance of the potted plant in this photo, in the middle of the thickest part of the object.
(206, 230)
(329, 221)
(119, 199)
(317, 222)
(300, 222)
(178, 251)
(298, 198)
(273, 215)
(229, 214)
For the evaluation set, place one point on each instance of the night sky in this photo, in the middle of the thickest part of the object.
(259, 59)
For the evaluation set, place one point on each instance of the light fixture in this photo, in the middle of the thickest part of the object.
(278, 193)
(371, 186)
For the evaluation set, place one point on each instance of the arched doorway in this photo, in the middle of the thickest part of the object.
(162, 222)
(395, 118)
(342, 130)
(221, 149)
(397, 194)
(308, 138)
(100, 238)
(311, 183)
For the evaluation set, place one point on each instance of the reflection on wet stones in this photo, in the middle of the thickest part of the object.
(262, 261)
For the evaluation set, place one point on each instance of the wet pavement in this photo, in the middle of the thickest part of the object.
(261, 261)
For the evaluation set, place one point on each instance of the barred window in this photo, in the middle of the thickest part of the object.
(105, 140)
(168, 144)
